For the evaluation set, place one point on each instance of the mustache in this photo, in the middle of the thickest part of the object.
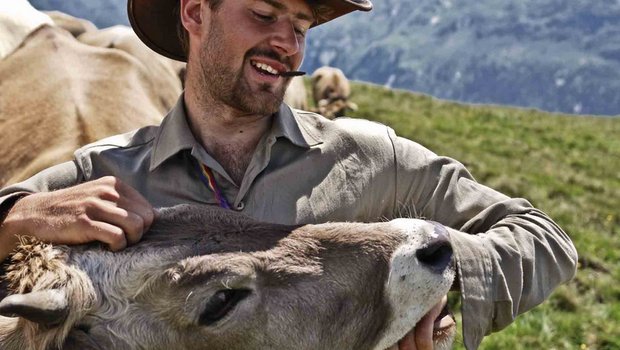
(269, 54)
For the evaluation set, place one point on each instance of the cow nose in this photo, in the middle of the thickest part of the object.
(437, 253)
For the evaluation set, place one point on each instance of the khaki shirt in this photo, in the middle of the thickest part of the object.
(308, 169)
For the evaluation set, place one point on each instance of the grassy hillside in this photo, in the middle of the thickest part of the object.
(568, 166)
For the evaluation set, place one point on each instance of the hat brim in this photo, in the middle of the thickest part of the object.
(155, 21)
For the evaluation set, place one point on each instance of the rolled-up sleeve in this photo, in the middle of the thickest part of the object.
(60, 176)
(509, 255)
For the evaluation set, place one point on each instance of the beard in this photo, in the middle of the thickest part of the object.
(228, 84)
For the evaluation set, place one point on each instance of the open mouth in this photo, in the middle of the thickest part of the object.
(264, 68)
(445, 325)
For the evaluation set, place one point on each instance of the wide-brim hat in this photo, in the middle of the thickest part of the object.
(155, 21)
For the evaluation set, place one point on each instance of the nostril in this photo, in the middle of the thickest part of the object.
(437, 255)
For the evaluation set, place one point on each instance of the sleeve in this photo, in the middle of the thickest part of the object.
(509, 255)
(59, 176)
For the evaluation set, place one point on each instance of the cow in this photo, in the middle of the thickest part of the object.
(331, 91)
(164, 71)
(296, 96)
(18, 19)
(75, 26)
(209, 278)
(59, 94)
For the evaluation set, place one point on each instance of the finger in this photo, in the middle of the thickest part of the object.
(135, 228)
(408, 342)
(424, 333)
(424, 328)
(109, 234)
(131, 224)
(132, 201)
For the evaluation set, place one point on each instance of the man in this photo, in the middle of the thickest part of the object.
(231, 142)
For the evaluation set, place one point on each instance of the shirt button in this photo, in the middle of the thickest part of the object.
(240, 206)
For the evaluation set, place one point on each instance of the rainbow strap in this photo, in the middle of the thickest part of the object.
(207, 178)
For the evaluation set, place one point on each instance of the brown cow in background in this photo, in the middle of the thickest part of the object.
(18, 19)
(163, 70)
(296, 95)
(331, 91)
(58, 94)
(75, 26)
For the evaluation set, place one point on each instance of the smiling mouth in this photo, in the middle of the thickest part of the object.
(268, 70)
(265, 68)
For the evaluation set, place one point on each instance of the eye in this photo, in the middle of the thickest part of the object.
(301, 32)
(220, 304)
(264, 17)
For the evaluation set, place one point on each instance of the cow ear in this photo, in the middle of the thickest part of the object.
(49, 307)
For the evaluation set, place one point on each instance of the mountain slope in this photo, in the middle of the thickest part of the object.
(551, 54)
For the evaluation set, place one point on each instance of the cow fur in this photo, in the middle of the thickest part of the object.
(59, 94)
(75, 26)
(164, 71)
(18, 19)
(296, 96)
(331, 91)
(328, 286)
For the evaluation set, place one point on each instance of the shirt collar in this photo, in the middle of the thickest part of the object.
(174, 134)
(290, 124)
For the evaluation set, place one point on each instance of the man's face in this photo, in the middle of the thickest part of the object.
(247, 43)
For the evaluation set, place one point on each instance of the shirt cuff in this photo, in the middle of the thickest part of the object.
(7, 202)
(475, 277)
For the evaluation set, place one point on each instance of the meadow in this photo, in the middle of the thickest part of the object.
(566, 165)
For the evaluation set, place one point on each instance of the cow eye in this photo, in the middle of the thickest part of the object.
(220, 304)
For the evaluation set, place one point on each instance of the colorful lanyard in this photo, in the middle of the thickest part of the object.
(207, 178)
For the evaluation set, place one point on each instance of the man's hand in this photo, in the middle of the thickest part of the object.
(104, 210)
(421, 337)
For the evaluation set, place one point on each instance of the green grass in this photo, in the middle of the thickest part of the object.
(568, 166)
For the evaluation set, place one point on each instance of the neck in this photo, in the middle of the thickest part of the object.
(229, 135)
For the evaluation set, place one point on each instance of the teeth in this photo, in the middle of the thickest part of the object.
(446, 321)
(267, 68)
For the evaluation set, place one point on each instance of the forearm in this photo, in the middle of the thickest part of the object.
(509, 255)
(8, 229)
(509, 268)
(60, 176)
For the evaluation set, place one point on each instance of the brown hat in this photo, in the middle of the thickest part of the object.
(155, 21)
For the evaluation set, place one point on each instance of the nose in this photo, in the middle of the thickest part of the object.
(437, 253)
(285, 39)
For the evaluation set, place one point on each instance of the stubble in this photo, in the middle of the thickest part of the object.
(226, 83)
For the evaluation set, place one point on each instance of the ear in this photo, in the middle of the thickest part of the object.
(317, 77)
(48, 307)
(191, 15)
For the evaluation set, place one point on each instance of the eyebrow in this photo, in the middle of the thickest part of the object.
(280, 6)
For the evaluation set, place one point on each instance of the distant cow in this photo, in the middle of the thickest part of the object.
(207, 278)
(331, 91)
(58, 94)
(296, 95)
(75, 26)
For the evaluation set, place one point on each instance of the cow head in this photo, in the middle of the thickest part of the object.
(204, 278)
